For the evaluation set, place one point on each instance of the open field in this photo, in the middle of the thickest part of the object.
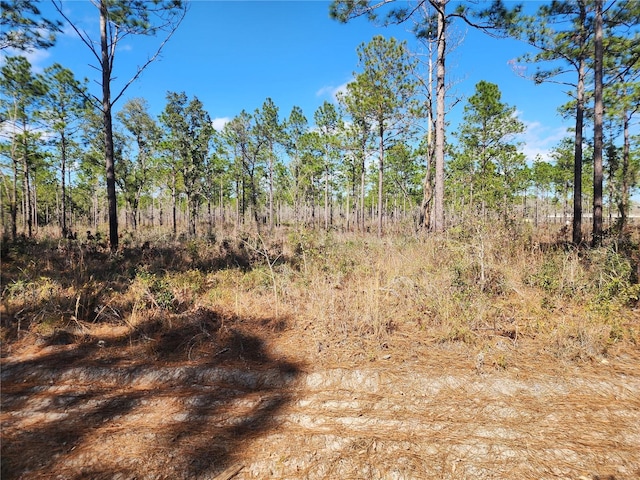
(479, 354)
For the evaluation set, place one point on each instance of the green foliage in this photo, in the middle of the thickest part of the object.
(22, 90)
(155, 291)
(294, 130)
(193, 280)
(246, 142)
(488, 170)
(547, 277)
(138, 160)
(269, 131)
(193, 248)
(602, 277)
(189, 135)
(23, 27)
(612, 275)
(404, 176)
(261, 161)
(119, 19)
(137, 16)
(383, 96)
(305, 248)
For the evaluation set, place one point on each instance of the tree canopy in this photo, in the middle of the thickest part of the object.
(354, 163)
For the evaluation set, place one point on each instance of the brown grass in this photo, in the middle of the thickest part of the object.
(477, 354)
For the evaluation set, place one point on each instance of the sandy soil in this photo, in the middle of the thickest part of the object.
(212, 398)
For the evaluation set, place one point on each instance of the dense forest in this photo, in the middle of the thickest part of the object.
(381, 159)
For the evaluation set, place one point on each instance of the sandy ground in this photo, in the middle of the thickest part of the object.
(254, 402)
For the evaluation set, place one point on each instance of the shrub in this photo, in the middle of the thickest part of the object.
(611, 275)
(154, 291)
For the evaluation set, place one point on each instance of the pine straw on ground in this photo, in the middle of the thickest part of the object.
(321, 358)
(217, 391)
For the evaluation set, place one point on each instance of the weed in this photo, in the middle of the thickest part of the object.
(547, 276)
(461, 287)
(193, 248)
(459, 333)
(612, 276)
(500, 362)
(153, 290)
(616, 333)
(192, 281)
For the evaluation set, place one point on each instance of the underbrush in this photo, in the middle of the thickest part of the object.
(475, 288)
(488, 291)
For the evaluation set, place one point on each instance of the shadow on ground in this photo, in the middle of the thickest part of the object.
(47, 283)
(176, 398)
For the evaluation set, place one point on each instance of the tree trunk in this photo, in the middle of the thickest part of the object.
(271, 190)
(238, 200)
(362, 184)
(34, 205)
(427, 189)
(347, 212)
(27, 187)
(192, 212)
(96, 209)
(14, 198)
(221, 217)
(135, 208)
(623, 207)
(380, 176)
(173, 204)
(296, 193)
(253, 195)
(440, 116)
(597, 129)
(108, 128)
(577, 166)
(63, 168)
(326, 197)
(427, 196)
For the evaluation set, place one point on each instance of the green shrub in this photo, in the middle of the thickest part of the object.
(157, 290)
(611, 274)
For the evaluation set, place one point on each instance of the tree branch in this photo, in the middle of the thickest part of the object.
(150, 60)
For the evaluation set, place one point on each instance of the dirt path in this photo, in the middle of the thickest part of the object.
(347, 424)
(93, 410)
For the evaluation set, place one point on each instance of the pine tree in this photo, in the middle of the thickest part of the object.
(22, 94)
(119, 19)
(486, 140)
(328, 122)
(64, 107)
(136, 166)
(383, 93)
(22, 26)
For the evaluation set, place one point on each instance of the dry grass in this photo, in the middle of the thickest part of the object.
(478, 354)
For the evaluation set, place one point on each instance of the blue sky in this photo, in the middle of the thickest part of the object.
(232, 55)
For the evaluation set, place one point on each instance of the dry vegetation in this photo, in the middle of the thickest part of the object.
(484, 353)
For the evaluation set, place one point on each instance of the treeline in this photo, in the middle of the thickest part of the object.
(367, 162)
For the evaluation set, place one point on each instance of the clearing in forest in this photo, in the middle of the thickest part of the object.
(335, 358)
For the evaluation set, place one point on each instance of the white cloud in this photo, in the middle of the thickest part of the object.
(9, 129)
(539, 139)
(219, 123)
(332, 91)
(36, 58)
(68, 31)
